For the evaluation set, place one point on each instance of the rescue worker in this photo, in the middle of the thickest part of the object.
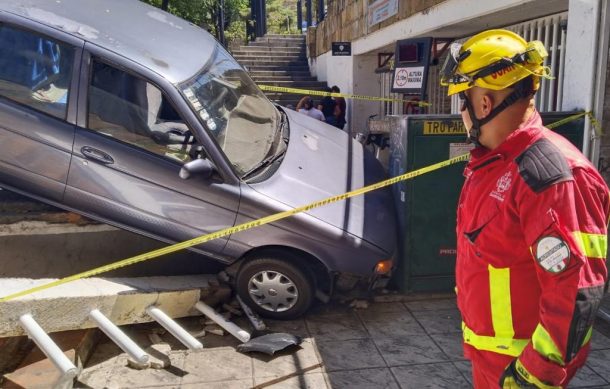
(531, 223)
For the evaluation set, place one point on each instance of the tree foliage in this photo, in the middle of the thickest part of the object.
(205, 13)
(281, 15)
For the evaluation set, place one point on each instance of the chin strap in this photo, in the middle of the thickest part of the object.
(474, 132)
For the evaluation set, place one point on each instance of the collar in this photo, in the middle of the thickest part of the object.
(512, 146)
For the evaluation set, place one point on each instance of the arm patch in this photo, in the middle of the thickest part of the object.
(542, 165)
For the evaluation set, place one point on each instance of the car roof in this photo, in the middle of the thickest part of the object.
(166, 44)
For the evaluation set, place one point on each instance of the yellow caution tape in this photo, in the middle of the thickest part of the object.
(594, 122)
(256, 223)
(271, 88)
(238, 228)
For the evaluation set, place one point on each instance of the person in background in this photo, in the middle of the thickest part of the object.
(340, 108)
(531, 223)
(306, 106)
(327, 106)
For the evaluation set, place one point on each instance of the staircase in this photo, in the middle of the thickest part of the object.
(279, 60)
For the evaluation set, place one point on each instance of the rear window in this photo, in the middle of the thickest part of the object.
(35, 70)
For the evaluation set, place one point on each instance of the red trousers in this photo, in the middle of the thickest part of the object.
(488, 367)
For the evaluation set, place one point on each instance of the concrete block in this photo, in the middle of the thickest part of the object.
(36, 371)
(122, 300)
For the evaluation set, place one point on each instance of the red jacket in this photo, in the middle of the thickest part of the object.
(531, 229)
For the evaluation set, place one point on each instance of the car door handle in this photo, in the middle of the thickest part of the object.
(97, 155)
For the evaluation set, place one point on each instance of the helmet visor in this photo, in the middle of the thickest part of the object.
(449, 73)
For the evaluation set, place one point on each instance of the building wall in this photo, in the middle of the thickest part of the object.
(347, 20)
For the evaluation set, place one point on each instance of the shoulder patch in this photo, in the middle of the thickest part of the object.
(542, 165)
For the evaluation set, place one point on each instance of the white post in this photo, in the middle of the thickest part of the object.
(581, 61)
(174, 328)
(119, 337)
(48, 347)
(233, 329)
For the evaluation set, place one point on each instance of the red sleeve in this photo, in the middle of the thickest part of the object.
(565, 227)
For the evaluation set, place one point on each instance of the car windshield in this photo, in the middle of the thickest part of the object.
(235, 111)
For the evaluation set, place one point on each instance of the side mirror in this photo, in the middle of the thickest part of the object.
(201, 167)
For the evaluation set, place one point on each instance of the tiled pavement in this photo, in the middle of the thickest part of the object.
(413, 344)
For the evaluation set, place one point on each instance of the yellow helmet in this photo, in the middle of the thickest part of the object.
(493, 59)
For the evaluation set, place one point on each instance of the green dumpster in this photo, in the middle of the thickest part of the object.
(426, 205)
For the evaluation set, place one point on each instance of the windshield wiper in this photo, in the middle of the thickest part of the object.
(282, 129)
(264, 163)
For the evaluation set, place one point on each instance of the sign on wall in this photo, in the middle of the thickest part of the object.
(411, 59)
(408, 77)
(342, 48)
(381, 10)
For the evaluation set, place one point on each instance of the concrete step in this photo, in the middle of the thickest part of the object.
(270, 57)
(272, 62)
(122, 300)
(278, 44)
(279, 73)
(265, 79)
(269, 54)
(315, 85)
(280, 38)
(275, 68)
(301, 36)
(259, 49)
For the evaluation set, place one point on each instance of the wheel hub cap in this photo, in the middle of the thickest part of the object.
(273, 291)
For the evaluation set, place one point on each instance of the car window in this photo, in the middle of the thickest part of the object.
(128, 108)
(35, 70)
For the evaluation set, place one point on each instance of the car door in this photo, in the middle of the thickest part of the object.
(38, 75)
(131, 142)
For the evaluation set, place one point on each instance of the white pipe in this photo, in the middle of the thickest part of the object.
(48, 347)
(119, 337)
(174, 328)
(234, 330)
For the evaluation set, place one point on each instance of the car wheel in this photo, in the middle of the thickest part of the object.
(275, 288)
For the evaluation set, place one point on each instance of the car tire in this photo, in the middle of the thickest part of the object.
(275, 288)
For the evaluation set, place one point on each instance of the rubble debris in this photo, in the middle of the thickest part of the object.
(231, 309)
(199, 334)
(216, 330)
(159, 356)
(359, 304)
(137, 365)
(270, 343)
(255, 320)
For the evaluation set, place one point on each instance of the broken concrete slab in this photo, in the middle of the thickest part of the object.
(122, 300)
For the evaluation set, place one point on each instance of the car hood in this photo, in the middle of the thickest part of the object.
(323, 161)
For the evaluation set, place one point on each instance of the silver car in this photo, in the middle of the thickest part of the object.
(136, 118)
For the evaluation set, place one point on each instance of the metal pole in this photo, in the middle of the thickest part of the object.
(174, 328)
(119, 337)
(233, 329)
(48, 347)
(221, 23)
(299, 16)
(320, 10)
(308, 10)
(264, 16)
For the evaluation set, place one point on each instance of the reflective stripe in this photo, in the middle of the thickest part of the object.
(501, 318)
(545, 345)
(588, 336)
(593, 245)
(499, 294)
(506, 346)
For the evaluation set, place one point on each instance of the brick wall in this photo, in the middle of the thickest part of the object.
(346, 20)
